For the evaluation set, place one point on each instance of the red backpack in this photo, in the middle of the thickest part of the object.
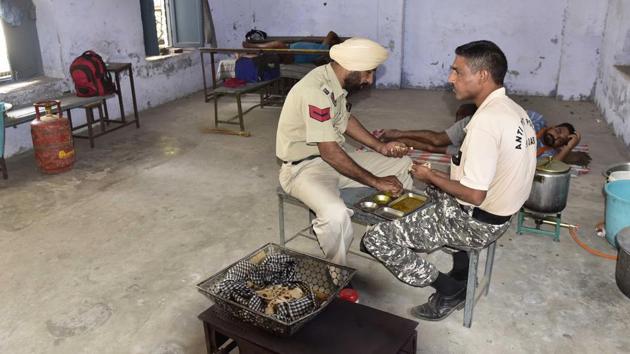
(90, 76)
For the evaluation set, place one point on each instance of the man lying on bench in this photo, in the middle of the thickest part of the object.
(331, 39)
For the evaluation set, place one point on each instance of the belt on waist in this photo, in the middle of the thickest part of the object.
(486, 217)
(302, 160)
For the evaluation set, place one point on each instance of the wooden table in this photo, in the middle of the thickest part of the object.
(343, 328)
(209, 92)
(117, 69)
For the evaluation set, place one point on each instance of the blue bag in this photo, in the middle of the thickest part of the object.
(260, 68)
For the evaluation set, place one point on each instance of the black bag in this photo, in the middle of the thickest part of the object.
(255, 35)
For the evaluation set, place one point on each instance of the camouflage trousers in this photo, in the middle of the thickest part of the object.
(442, 224)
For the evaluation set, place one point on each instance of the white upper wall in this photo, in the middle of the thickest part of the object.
(533, 34)
(552, 46)
(612, 91)
(112, 28)
(583, 31)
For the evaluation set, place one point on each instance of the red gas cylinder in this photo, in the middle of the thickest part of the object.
(52, 139)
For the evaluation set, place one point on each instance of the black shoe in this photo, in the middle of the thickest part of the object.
(461, 275)
(440, 306)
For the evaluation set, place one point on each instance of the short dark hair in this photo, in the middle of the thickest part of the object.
(332, 39)
(569, 126)
(485, 55)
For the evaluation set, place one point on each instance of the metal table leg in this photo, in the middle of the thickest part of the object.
(471, 287)
(119, 94)
(133, 97)
(281, 220)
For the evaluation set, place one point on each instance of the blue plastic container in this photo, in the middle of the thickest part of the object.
(617, 208)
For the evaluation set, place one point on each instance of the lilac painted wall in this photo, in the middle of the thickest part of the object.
(113, 28)
(380, 20)
(547, 43)
(612, 91)
(552, 46)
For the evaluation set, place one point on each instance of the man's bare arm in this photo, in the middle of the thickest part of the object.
(574, 139)
(435, 139)
(336, 157)
(357, 131)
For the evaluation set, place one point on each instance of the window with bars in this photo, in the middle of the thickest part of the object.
(20, 55)
(5, 66)
(175, 24)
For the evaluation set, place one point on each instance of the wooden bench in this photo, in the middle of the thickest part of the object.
(216, 91)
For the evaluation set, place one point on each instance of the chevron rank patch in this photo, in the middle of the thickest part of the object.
(319, 114)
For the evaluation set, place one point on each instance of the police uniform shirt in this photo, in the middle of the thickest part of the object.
(498, 154)
(314, 111)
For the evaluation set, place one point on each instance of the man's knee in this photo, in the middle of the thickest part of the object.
(371, 240)
(334, 215)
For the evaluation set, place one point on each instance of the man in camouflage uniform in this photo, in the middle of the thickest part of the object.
(314, 122)
(490, 179)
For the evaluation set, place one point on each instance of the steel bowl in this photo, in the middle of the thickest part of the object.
(369, 205)
(381, 199)
(623, 166)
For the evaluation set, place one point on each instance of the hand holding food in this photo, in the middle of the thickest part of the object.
(389, 184)
(394, 149)
(421, 171)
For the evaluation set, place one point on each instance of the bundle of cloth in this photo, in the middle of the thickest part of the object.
(270, 287)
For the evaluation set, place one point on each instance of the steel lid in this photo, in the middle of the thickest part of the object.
(552, 166)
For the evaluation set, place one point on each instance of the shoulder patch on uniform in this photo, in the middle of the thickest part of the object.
(319, 114)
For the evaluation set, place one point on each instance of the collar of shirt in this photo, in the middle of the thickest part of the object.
(335, 86)
(500, 92)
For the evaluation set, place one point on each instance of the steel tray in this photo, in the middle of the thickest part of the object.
(389, 208)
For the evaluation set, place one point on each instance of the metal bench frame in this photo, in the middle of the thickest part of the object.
(474, 290)
(265, 99)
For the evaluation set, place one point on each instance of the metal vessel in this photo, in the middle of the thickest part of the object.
(550, 188)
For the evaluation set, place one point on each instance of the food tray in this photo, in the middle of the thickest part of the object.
(326, 279)
(390, 208)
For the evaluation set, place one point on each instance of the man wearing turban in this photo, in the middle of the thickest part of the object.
(314, 122)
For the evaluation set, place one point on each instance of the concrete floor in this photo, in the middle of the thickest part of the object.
(105, 258)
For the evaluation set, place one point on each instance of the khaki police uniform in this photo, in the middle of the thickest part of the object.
(498, 155)
(316, 110)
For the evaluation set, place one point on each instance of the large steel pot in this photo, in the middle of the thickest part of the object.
(550, 189)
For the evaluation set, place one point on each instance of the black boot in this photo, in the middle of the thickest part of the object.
(460, 266)
(450, 295)
(440, 306)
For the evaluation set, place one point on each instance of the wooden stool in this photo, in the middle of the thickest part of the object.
(89, 115)
(343, 328)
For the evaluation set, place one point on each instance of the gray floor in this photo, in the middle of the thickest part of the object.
(105, 258)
